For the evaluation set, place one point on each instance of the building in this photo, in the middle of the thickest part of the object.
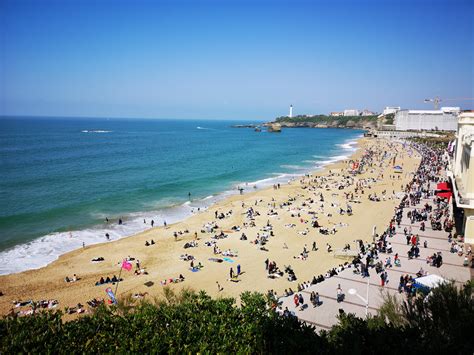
(351, 112)
(418, 120)
(367, 113)
(291, 111)
(388, 110)
(455, 110)
(336, 114)
(461, 174)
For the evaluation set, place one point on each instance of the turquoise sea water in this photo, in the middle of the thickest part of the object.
(60, 178)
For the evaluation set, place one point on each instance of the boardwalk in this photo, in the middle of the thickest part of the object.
(324, 316)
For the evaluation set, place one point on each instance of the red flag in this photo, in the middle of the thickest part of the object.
(126, 265)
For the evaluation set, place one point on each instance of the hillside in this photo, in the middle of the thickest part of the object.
(323, 121)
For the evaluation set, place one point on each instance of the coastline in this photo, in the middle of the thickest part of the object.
(162, 260)
(44, 250)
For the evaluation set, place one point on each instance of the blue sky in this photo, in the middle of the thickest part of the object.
(231, 59)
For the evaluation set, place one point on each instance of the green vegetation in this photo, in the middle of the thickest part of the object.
(327, 120)
(389, 118)
(195, 323)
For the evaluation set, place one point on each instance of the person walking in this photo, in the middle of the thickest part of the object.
(231, 272)
(301, 299)
(339, 295)
(296, 300)
(238, 269)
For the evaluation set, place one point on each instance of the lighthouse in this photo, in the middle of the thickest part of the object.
(291, 111)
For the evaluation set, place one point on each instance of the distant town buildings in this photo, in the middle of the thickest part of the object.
(351, 112)
(461, 174)
(367, 113)
(443, 120)
(388, 110)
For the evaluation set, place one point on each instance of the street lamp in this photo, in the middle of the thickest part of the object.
(353, 292)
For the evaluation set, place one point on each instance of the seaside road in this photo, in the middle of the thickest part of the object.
(325, 315)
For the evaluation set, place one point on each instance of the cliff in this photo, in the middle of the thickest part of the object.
(323, 121)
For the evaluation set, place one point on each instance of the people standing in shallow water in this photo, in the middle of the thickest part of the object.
(120, 221)
(152, 223)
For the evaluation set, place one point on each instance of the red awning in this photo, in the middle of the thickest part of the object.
(443, 186)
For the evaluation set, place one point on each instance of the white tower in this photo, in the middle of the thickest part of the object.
(291, 111)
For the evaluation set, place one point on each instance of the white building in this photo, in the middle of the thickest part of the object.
(351, 112)
(455, 110)
(367, 113)
(388, 110)
(461, 174)
(337, 114)
(425, 120)
(291, 111)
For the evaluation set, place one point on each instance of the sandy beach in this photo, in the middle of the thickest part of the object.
(290, 210)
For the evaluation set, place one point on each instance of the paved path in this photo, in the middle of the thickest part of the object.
(324, 316)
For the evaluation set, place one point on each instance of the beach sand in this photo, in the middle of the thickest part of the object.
(162, 260)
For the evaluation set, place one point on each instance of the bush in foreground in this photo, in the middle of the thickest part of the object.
(191, 322)
(195, 323)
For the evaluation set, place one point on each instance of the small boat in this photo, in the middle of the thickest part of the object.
(258, 129)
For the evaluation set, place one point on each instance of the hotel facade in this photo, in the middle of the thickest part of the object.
(461, 174)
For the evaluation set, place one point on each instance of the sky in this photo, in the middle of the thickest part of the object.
(230, 59)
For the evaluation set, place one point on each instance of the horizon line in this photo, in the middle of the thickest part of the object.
(7, 116)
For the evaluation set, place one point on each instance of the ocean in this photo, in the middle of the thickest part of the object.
(60, 178)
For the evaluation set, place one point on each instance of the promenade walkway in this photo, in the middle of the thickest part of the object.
(324, 316)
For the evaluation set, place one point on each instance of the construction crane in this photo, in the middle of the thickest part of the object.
(436, 100)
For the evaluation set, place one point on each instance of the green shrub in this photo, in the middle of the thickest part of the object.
(192, 322)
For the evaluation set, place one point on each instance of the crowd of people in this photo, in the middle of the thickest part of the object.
(371, 255)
